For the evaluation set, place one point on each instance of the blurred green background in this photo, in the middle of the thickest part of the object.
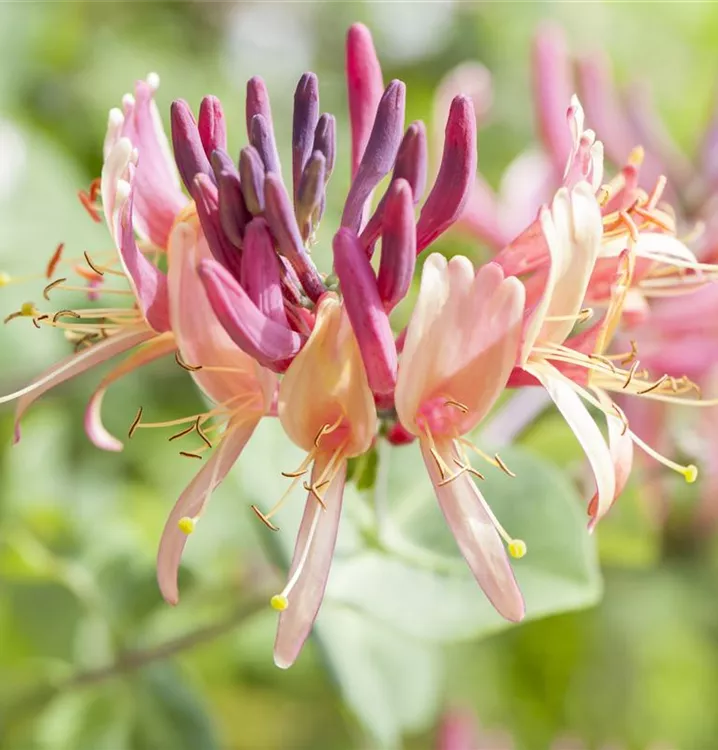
(90, 656)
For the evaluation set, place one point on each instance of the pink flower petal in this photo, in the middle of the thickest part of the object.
(158, 196)
(74, 365)
(154, 349)
(305, 598)
(466, 513)
(201, 339)
(193, 500)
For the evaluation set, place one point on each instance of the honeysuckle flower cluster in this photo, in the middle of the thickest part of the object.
(222, 277)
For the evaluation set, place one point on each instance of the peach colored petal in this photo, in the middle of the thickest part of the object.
(326, 382)
(471, 524)
(194, 499)
(201, 340)
(319, 529)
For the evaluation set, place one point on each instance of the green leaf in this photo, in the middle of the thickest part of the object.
(391, 682)
(417, 582)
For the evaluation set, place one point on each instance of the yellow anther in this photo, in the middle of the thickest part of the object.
(279, 602)
(635, 158)
(186, 525)
(28, 309)
(5, 278)
(691, 473)
(517, 548)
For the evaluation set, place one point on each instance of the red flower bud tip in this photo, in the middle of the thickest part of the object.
(188, 149)
(212, 126)
(304, 124)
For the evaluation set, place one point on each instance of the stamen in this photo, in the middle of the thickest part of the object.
(89, 206)
(54, 260)
(135, 423)
(653, 218)
(52, 285)
(457, 404)
(653, 387)
(503, 466)
(630, 225)
(98, 271)
(631, 373)
(264, 518)
(27, 310)
(605, 360)
(184, 365)
(188, 454)
(199, 431)
(655, 196)
(621, 415)
(326, 429)
(182, 433)
(64, 314)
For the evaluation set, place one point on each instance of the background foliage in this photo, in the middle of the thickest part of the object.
(92, 659)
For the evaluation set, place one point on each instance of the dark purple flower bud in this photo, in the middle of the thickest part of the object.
(398, 245)
(457, 174)
(188, 149)
(369, 321)
(304, 123)
(279, 214)
(310, 193)
(233, 213)
(380, 153)
(364, 86)
(271, 344)
(211, 125)
(206, 196)
(261, 271)
(251, 173)
(412, 159)
(262, 138)
(325, 139)
(411, 162)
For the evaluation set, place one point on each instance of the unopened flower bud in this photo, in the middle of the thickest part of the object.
(188, 149)
(211, 125)
(304, 123)
(251, 173)
(310, 193)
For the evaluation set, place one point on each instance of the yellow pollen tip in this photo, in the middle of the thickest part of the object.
(186, 525)
(27, 309)
(5, 278)
(517, 548)
(690, 473)
(279, 602)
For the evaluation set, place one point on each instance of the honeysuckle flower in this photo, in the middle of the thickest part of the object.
(140, 196)
(241, 391)
(261, 281)
(326, 407)
(461, 344)
(574, 369)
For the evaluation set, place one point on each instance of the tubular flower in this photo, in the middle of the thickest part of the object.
(140, 196)
(574, 368)
(460, 346)
(326, 407)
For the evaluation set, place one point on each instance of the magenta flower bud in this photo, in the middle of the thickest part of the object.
(457, 173)
(251, 173)
(261, 271)
(272, 345)
(257, 102)
(364, 86)
(370, 322)
(379, 155)
(188, 149)
(411, 163)
(211, 125)
(552, 92)
(279, 214)
(325, 139)
(262, 138)
(310, 194)
(206, 197)
(233, 213)
(398, 245)
(304, 124)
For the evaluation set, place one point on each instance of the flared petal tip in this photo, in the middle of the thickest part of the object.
(169, 591)
(282, 662)
(17, 434)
